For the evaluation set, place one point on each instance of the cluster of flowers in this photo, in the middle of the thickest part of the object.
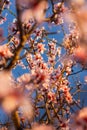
(4, 4)
(44, 93)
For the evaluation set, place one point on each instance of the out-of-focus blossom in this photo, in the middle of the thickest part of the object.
(4, 128)
(11, 101)
(81, 18)
(43, 127)
(80, 119)
(80, 55)
(1, 35)
(5, 51)
(5, 83)
(85, 79)
(10, 97)
(78, 2)
(26, 109)
(16, 99)
(26, 3)
(37, 12)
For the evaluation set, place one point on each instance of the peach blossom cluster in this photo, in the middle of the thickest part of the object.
(5, 51)
(46, 86)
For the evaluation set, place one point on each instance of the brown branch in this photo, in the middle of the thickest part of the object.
(16, 120)
(76, 72)
(23, 39)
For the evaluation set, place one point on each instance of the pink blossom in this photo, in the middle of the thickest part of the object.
(68, 97)
(11, 101)
(5, 51)
(5, 83)
(80, 119)
(78, 2)
(38, 56)
(40, 47)
(15, 40)
(26, 108)
(68, 70)
(81, 55)
(2, 19)
(43, 127)
(36, 12)
(10, 98)
(85, 79)
(40, 76)
(51, 96)
(13, 27)
(59, 7)
(25, 78)
(42, 65)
